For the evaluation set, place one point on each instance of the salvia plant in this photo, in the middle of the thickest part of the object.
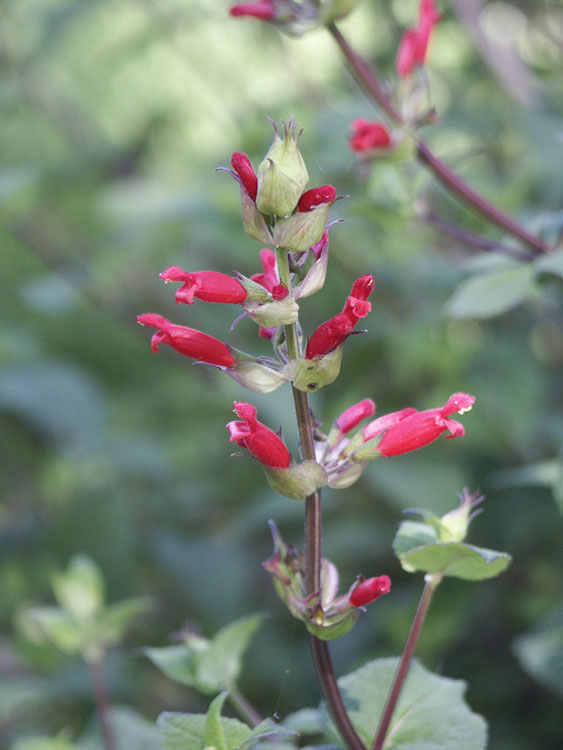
(386, 703)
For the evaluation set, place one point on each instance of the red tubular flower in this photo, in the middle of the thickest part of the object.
(188, 341)
(315, 197)
(414, 43)
(404, 432)
(269, 278)
(369, 590)
(368, 136)
(333, 332)
(265, 10)
(209, 286)
(245, 171)
(264, 444)
(354, 415)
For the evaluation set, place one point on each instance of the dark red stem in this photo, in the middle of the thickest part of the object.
(369, 82)
(404, 664)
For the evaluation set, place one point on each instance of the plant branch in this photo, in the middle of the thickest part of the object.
(475, 240)
(313, 537)
(405, 661)
(369, 82)
(244, 707)
(101, 697)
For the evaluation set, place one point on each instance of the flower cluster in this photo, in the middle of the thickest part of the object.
(325, 614)
(344, 457)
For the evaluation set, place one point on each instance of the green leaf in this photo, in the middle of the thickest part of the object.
(114, 621)
(43, 743)
(456, 559)
(541, 651)
(208, 665)
(417, 549)
(413, 534)
(305, 721)
(80, 588)
(487, 295)
(131, 730)
(213, 732)
(52, 624)
(267, 728)
(431, 713)
(187, 731)
(220, 664)
(552, 263)
(177, 662)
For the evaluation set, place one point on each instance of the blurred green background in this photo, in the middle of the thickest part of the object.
(115, 114)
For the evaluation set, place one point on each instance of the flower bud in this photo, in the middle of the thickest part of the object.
(369, 137)
(305, 228)
(368, 590)
(315, 197)
(353, 415)
(244, 169)
(264, 10)
(453, 526)
(282, 175)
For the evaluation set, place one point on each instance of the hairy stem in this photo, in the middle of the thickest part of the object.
(369, 82)
(313, 537)
(101, 697)
(405, 661)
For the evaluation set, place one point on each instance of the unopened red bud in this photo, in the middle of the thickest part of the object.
(354, 415)
(243, 167)
(368, 136)
(369, 590)
(328, 336)
(280, 291)
(315, 197)
(264, 10)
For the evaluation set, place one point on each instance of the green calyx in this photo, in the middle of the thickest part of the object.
(298, 481)
(311, 374)
(282, 175)
(299, 232)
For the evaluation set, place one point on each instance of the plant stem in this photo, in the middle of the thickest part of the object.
(101, 697)
(313, 537)
(405, 661)
(369, 82)
(475, 240)
(244, 707)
